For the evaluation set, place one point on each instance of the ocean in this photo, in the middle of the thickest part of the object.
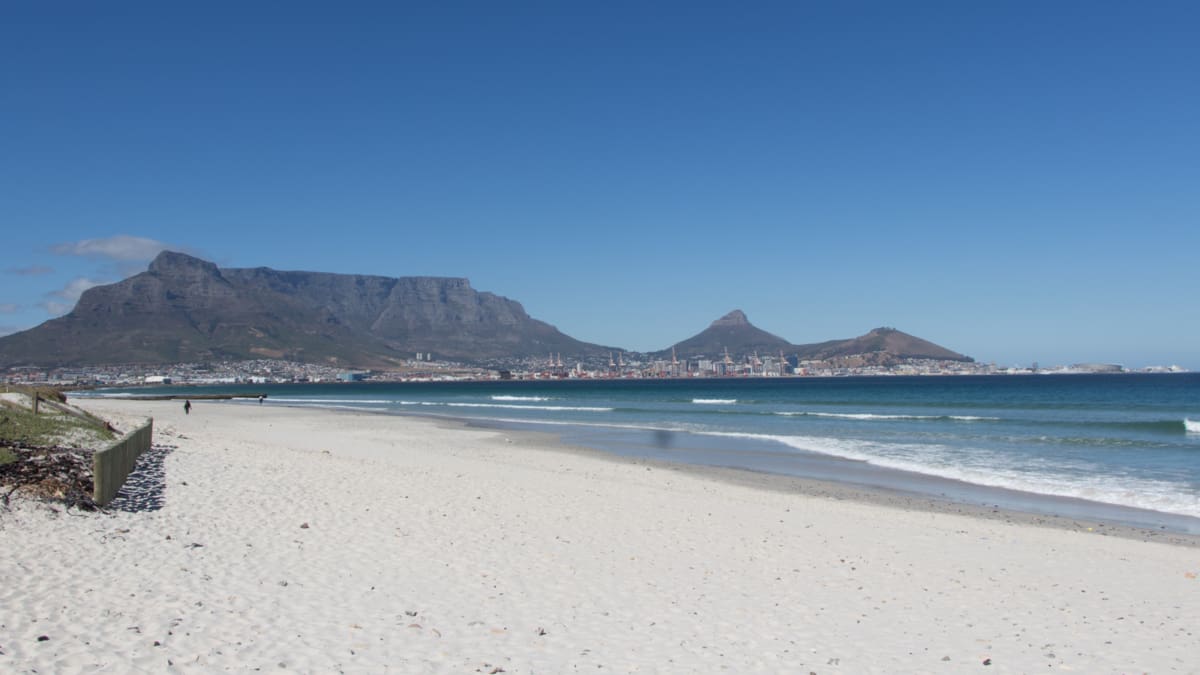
(1123, 448)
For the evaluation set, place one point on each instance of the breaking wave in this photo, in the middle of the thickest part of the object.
(994, 470)
(874, 416)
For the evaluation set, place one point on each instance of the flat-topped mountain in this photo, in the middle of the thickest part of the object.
(186, 309)
(735, 333)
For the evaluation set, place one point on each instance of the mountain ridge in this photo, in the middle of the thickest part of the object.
(735, 333)
(185, 309)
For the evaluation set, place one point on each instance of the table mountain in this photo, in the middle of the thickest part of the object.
(185, 309)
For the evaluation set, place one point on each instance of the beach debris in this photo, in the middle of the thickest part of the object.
(304, 526)
(945, 658)
(540, 631)
(987, 662)
(410, 612)
(43, 638)
(50, 474)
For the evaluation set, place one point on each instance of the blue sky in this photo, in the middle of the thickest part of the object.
(1016, 181)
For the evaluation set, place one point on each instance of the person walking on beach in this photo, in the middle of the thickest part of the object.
(260, 398)
(187, 407)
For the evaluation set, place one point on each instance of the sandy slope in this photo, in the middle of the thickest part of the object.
(320, 541)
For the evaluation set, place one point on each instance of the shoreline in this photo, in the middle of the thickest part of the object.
(553, 441)
(842, 491)
(983, 463)
(319, 540)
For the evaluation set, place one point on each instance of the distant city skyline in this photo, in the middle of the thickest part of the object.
(1015, 182)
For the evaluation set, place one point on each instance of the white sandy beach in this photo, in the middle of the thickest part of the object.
(316, 541)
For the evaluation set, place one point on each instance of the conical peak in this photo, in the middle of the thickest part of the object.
(735, 318)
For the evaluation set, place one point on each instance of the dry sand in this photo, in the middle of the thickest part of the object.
(318, 541)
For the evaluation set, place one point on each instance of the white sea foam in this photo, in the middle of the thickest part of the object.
(714, 401)
(1191, 426)
(354, 408)
(348, 401)
(508, 406)
(1001, 471)
(520, 398)
(874, 416)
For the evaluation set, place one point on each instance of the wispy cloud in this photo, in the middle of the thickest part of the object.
(75, 288)
(54, 307)
(120, 248)
(62, 300)
(32, 271)
(8, 308)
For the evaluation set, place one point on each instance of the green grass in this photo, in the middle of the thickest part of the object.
(22, 427)
(6, 456)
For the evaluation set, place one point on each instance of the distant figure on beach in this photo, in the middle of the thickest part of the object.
(187, 407)
(260, 398)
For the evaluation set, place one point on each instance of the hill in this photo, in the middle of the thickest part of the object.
(735, 333)
(888, 341)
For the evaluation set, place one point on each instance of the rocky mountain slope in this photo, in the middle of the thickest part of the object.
(186, 309)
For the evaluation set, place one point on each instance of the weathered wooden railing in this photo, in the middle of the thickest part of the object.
(112, 465)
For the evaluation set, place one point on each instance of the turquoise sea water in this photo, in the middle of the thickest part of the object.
(1072, 445)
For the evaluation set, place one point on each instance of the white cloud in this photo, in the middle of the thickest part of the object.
(121, 248)
(75, 288)
(54, 307)
(61, 301)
